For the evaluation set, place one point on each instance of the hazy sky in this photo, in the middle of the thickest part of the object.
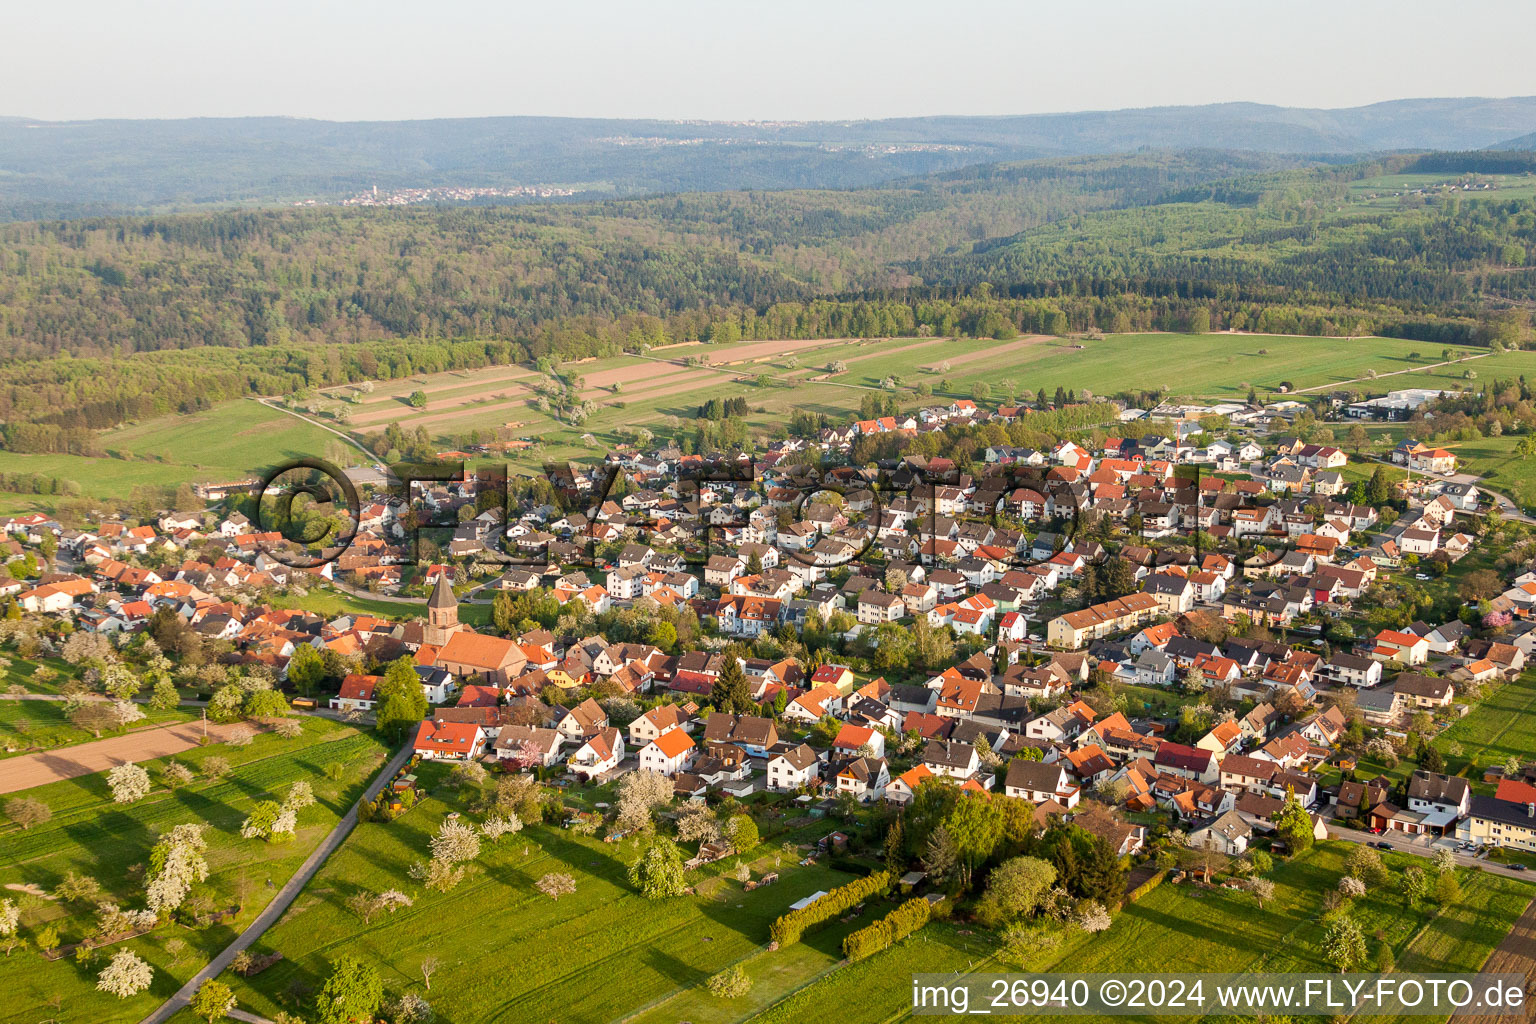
(739, 59)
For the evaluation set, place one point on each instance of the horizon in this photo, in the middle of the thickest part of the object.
(774, 120)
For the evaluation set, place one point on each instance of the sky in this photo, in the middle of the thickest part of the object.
(745, 59)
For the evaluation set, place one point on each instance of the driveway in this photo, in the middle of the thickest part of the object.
(47, 766)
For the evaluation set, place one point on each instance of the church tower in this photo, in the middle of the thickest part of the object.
(442, 613)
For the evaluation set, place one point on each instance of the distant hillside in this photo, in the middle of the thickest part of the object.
(1523, 142)
(72, 168)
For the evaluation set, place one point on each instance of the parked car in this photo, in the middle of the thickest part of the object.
(1383, 846)
(1517, 867)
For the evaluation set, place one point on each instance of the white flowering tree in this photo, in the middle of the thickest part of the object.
(271, 821)
(1354, 888)
(10, 917)
(126, 712)
(125, 976)
(496, 826)
(1093, 918)
(300, 795)
(128, 782)
(456, 841)
(176, 864)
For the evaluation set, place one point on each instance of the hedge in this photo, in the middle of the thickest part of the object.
(1146, 887)
(889, 930)
(791, 926)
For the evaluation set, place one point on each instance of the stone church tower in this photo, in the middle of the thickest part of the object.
(442, 613)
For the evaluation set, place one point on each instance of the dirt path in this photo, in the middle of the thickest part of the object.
(28, 770)
(1393, 373)
(1515, 955)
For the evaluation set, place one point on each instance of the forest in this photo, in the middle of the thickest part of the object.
(109, 320)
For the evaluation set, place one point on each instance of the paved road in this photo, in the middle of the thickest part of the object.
(1403, 843)
(43, 767)
(284, 898)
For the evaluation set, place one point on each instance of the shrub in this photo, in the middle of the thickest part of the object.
(791, 926)
(889, 930)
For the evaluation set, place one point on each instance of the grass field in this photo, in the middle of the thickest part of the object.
(239, 438)
(1180, 929)
(111, 842)
(593, 956)
(231, 441)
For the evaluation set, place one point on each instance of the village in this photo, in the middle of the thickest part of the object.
(1205, 578)
(1191, 657)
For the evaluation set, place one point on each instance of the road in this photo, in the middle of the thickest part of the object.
(1403, 843)
(284, 898)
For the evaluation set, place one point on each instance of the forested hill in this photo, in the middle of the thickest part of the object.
(1437, 247)
(86, 167)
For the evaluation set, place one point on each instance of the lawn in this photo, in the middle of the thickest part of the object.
(90, 834)
(508, 952)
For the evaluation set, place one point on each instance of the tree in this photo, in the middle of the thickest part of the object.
(731, 693)
(941, 859)
(496, 826)
(128, 782)
(556, 884)
(1263, 889)
(1444, 860)
(1365, 864)
(306, 669)
(437, 875)
(125, 975)
(1093, 917)
(213, 1000)
(1352, 887)
(1447, 890)
(10, 917)
(271, 821)
(411, 1008)
(429, 966)
(164, 696)
(401, 702)
(176, 864)
(742, 832)
(731, 983)
(1416, 884)
(455, 842)
(352, 993)
(1294, 824)
(658, 869)
(638, 792)
(26, 812)
(417, 399)
(94, 717)
(1015, 889)
(1344, 944)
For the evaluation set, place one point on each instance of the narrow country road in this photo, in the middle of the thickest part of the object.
(284, 898)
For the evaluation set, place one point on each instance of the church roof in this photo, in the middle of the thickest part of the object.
(442, 594)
